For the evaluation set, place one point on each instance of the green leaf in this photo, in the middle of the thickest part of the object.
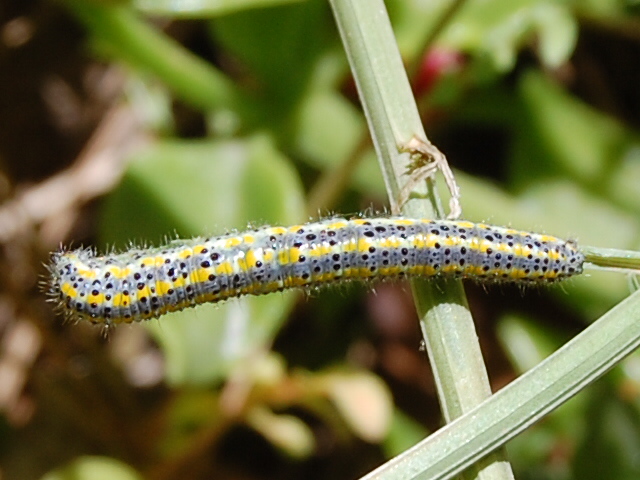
(404, 433)
(363, 400)
(286, 432)
(611, 441)
(328, 129)
(563, 135)
(496, 30)
(525, 342)
(203, 188)
(202, 8)
(94, 468)
(278, 46)
(557, 33)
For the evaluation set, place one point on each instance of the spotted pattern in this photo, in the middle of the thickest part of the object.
(142, 284)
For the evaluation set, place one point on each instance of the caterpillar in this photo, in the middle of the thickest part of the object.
(146, 283)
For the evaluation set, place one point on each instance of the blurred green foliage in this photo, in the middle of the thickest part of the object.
(281, 116)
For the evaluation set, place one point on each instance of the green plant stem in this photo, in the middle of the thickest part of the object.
(612, 258)
(393, 119)
(524, 401)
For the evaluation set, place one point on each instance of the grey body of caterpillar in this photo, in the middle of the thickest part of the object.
(142, 284)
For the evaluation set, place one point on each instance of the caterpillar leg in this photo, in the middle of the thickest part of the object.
(426, 160)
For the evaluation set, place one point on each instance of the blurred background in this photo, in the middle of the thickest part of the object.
(128, 122)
